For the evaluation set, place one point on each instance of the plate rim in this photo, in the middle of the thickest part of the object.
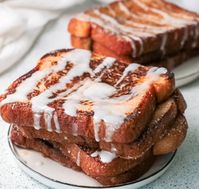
(186, 76)
(11, 146)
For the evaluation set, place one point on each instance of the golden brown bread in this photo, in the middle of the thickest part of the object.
(50, 96)
(79, 159)
(159, 26)
(166, 117)
(173, 138)
(154, 58)
(41, 146)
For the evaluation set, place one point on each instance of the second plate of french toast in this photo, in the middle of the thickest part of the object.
(150, 32)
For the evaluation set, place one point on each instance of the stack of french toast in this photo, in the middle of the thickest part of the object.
(95, 114)
(150, 32)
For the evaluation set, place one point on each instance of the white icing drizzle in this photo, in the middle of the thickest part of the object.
(141, 87)
(111, 111)
(123, 8)
(78, 158)
(113, 149)
(104, 156)
(163, 44)
(96, 131)
(130, 68)
(37, 121)
(129, 33)
(156, 71)
(70, 107)
(137, 30)
(48, 118)
(56, 121)
(26, 86)
(81, 60)
(98, 93)
(107, 63)
(146, 27)
(122, 28)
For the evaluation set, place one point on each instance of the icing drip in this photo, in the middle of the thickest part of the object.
(113, 149)
(56, 121)
(98, 93)
(107, 63)
(130, 68)
(37, 121)
(48, 118)
(88, 95)
(124, 8)
(81, 60)
(156, 71)
(163, 44)
(104, 156)
(136, 31)
(78, 158)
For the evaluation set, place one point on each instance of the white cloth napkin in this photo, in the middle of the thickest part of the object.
(21, 22)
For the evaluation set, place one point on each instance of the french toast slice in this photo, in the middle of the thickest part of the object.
(93, 163)
(89, 95)
(154, 58)
(173, 138)
(134, 28)
(166, 117)
(46, 149)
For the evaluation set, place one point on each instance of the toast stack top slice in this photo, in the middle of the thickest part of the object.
(80, 93)
(139, 27)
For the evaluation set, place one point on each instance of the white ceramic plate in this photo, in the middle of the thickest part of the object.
(57, 176)
(187, 72)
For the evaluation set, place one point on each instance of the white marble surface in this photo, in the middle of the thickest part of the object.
(184, 172)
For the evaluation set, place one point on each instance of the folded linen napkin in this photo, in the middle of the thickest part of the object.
(22, 21)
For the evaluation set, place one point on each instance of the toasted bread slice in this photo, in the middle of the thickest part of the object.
(50, 151)
(41, 146)
(93, 163)
(163, 119)
(84, 94)
(173, 138)
(154, 58)
(134, 28)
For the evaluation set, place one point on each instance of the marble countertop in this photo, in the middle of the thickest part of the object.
(183, 173)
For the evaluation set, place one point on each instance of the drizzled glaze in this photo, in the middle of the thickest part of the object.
(134, 31)
(104, 156)
(110, 110)
(78, 158)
